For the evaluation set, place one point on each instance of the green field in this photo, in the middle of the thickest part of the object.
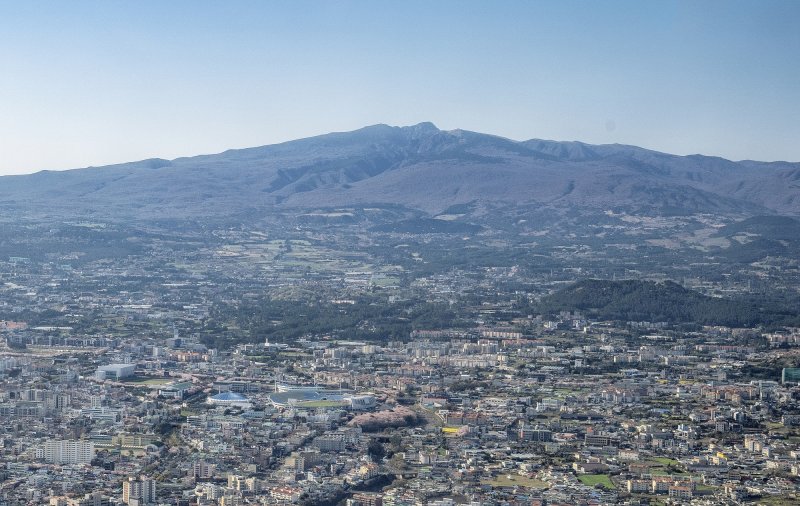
(295, 354)
(664, 461)
(148, 380)
(663, 466)
(596, 479)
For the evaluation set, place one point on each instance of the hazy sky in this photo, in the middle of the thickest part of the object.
(97, 82)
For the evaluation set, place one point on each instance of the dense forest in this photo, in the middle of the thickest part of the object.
(364, 319)
(664, 302)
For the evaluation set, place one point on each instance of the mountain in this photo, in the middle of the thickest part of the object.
(419, 168)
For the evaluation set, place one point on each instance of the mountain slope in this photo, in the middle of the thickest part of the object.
(420, 168)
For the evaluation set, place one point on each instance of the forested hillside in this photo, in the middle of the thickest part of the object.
(633, 300)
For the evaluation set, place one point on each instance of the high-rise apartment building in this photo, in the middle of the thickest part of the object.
(138, 491)
(67, 452)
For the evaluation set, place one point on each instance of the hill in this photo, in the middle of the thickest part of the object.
(775, 228)
(633, 300)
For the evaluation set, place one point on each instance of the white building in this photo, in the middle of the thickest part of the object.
(360, 402)
(203, 470)
(114, 371)
(138, 492)
(66, 452)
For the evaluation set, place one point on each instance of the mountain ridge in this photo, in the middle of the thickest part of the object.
(419, 167)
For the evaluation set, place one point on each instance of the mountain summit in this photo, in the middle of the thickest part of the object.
(416, 167)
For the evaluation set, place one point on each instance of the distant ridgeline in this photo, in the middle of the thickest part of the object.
(632, 300)
(418, 168)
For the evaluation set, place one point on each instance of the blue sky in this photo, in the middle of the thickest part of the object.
(96, 82)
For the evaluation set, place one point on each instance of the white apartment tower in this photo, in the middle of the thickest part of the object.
(138, 492)
(67, 452)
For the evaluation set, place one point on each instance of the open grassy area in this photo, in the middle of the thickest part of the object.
(295, 354)
(566, 391)
(144, 380)
(664, 461)
(597, 479)
(662, 471)
(655, 501)
(384, 282)
(663, 466)
(515, 480)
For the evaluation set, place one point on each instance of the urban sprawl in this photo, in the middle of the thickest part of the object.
(123, 382)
